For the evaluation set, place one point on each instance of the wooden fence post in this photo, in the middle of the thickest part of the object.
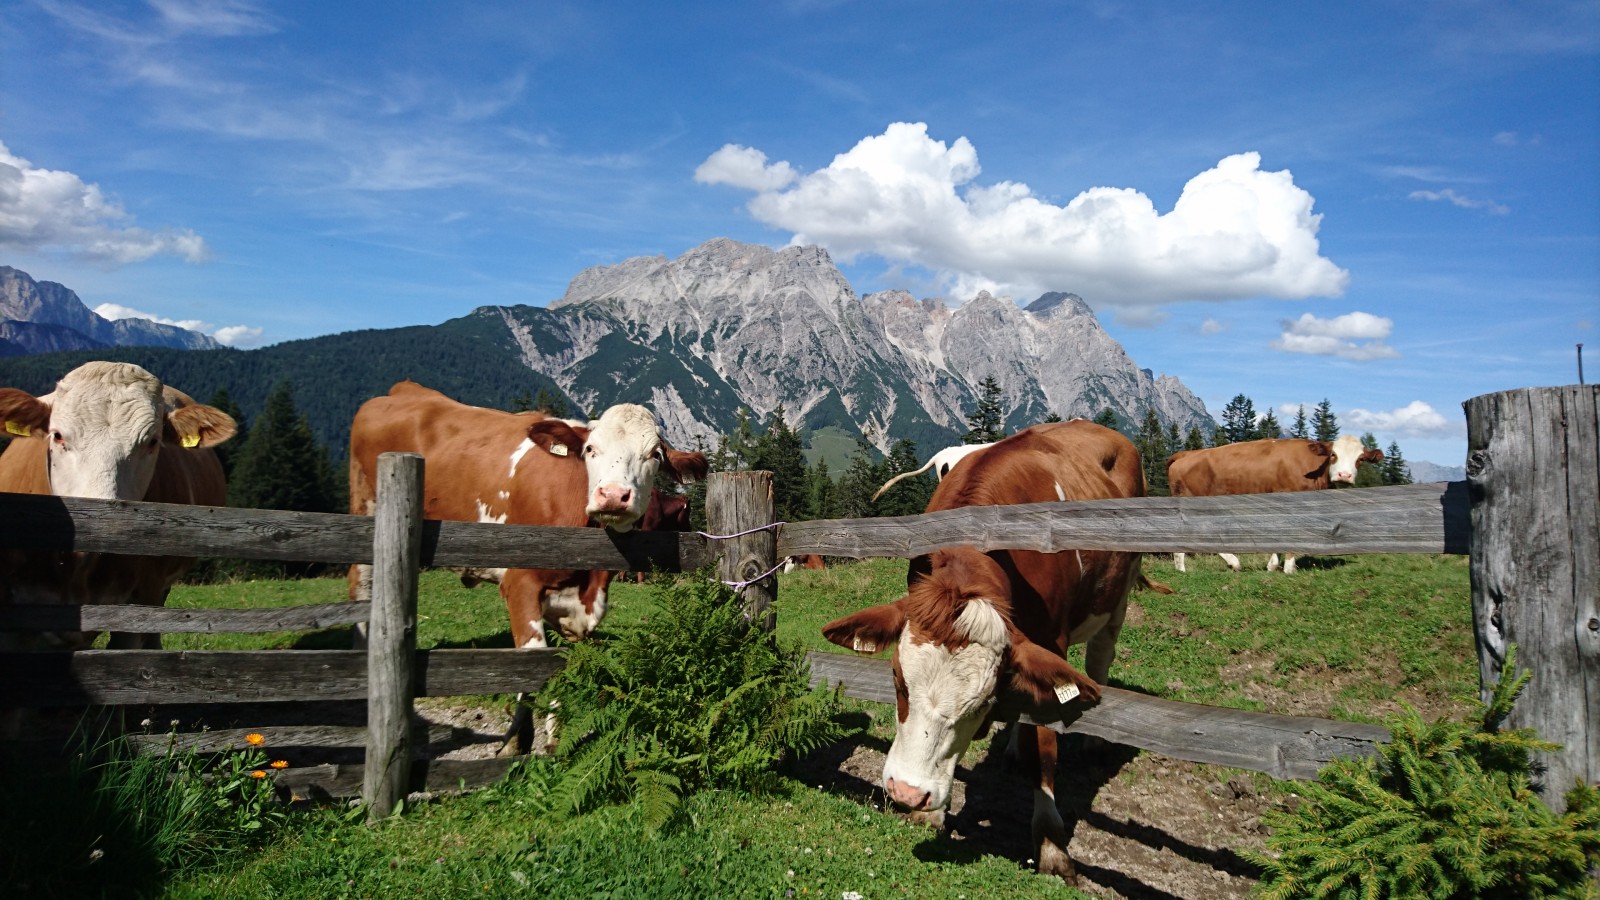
(736, 502)
(1533, 470)
(392, 635)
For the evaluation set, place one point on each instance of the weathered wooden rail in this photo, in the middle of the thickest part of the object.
(1431, 518)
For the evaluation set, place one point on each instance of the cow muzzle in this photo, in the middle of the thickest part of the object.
(611, 502)
(909, 796)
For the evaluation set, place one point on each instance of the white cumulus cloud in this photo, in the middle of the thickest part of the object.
(1235, 232)
(1415, 419)
(49, 210)
(1357, 336)
(230, 335)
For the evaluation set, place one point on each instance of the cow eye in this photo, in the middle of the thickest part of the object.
(57, 439)
(660, 455)
(588, 449)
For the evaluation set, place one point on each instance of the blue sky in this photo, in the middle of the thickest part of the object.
(1392, 206)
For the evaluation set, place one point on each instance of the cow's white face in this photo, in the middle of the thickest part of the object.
(623, 453)
(943, 693)
(105, 429)
(1346, 452)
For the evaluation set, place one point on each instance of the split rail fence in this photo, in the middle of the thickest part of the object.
(1527, 515)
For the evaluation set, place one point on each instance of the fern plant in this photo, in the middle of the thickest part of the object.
(691, 699)
(1445, 811)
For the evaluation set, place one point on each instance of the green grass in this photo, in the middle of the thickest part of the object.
(1348, 637)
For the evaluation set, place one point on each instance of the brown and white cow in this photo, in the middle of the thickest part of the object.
(974, 624)
(485, 465)
(1265, 467)
(110, 431)
(666, 512)
(941, 463)
(809, 561)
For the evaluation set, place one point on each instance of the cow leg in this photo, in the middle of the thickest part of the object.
(522, 590)
(1272, 563)
(1288, 564)
(1231, 560)
(1177, 562)
(1050, 836)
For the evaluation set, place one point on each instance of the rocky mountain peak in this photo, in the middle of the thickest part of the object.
(42, 316)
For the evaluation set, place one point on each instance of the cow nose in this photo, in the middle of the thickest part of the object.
(906, 795)
(612, 498)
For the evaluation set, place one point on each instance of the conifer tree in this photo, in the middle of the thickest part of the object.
(779, 450)
(1053, 417)
(1107, 417)
(1239, 420)
(987, 421)
(281, 465)
(548, 403)
(1368, 475)
(1151, 442)
(1324, 424)
(860, 482)
(1395, 469)
(909, 497)
(1174, 439)
(1299, 429)
(1269, 428)
(1195, 439)
(822, 495)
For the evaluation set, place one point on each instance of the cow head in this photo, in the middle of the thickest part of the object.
(624, 451)
(955, 649)
(1345, 453)
(105, 424)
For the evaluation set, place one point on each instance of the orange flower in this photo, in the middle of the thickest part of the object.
(255, 739)
(258, 774)
(280, 764)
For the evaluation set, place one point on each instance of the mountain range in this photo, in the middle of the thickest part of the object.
(726, 326)
(44, 317)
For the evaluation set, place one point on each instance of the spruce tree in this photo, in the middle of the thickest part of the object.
(1395, 469)
(1151, 442)
(1369, 475)
(822, 500)
(1269, 427)
(281, 465)
(1299, 430)
(909, 497)
(1053, 417)
(1324, 424)
(1195, 439)
(1239, 420)
(860, 482)
(1108, 418)
(779, 451)
(987, 420)
(548, 403)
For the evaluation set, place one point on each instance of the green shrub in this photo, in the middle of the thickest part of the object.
(107, 821)
(690, 699)
(1445, 811)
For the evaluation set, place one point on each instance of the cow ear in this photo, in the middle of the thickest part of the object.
(1321, 448)
(1046, 677)
(556, 437)
(1371, 456)
(684, 468)
(869, 630)
(198, 426)
(25, 415)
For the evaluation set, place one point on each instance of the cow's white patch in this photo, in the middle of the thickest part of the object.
(505, 495)
(536, 642)
(484, 515)
(982, 624)
(565, 609)
(1060, 494)
(948, 694)
(517, 455)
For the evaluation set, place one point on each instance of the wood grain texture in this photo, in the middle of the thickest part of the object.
(1417, 518)
(121, 677)
(737, 502)
(166, 620)
(1292, 747)
(1533, 469)
(392, 631)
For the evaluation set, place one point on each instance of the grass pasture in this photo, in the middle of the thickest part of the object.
(1349, 637)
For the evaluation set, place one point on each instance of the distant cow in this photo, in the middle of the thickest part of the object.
(972, 625)
(666, 512)
(1265, 467)
(109, 431)
(484, 465)
(941, 463)
(809, 561)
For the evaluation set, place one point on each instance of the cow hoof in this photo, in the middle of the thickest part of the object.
(1054, 861)
(931, 817)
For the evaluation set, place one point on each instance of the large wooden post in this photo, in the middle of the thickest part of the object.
(737, 502)
(1533, 470)
(392, 636)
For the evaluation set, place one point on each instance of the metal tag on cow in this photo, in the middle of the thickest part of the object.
(191, 441)
(558, 449)
(14, 428)
(860, 646)
(1065, 692)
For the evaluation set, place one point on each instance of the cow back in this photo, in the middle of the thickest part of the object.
(1251, 467)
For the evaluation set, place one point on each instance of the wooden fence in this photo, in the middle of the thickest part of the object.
(1429, 518)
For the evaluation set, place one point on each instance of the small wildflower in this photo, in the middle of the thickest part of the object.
(255, 739)
(96, 855)
(144, 723)
(806, 851)
(850, 895)
(280, 764)
(789, 874)
(257, 773)
(867, 850)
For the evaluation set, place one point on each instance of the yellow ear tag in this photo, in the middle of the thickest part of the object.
(14, 428)
(1065, 692)
(191, 441)
(558, 449)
